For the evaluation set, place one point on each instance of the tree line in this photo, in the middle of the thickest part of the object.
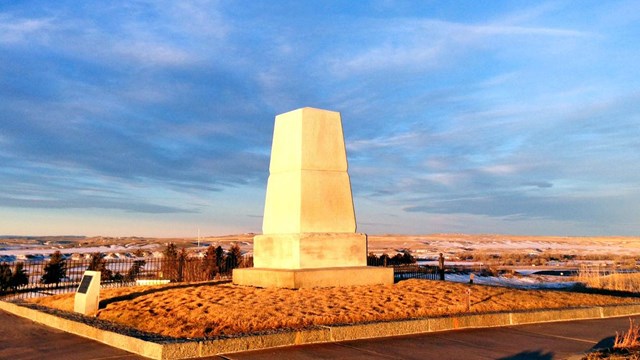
(179, 265)
(402, 258)
(176, 265)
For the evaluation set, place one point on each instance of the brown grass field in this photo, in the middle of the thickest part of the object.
(207, 310)
(618, 282)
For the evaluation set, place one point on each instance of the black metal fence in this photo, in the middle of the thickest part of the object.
(404, 272)
(34, 278)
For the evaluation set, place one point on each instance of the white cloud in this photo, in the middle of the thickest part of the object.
(428, 44)
(21, 30)
(500, 169)
(393, 141)
(152, 53)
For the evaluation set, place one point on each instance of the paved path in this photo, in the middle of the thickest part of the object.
(561, 340)
(22, 339)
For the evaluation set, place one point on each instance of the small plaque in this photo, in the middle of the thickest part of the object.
(88, 294)
(84, 284)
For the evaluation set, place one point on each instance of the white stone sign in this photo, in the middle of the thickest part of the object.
(88, 293)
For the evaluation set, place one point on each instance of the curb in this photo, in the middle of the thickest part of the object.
(334, 333)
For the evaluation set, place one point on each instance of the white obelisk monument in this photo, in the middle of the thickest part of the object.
(309, 227)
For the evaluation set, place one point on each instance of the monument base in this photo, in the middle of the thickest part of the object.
(308, 278)
(309, 250)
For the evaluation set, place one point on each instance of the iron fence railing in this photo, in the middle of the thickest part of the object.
(26, 279)
(404, 272)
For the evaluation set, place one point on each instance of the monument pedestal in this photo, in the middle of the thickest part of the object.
(309, 260)
(309, 250)
(308, 278)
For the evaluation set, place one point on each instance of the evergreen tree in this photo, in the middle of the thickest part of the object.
(95, 263)
(183, 255)
(235, 256)
(55, 270)
(99, 263)
(385, 259)
(134, 270)
(170, 262)
(396, 259)
(20, 277)
(5, 277)
(407, 258)
(171, 252)
(219, 256)
(373, 260)
(210, 263)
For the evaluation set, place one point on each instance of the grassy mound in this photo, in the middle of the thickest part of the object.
(208, 310)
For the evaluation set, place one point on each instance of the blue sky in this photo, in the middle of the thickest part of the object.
(155, 118)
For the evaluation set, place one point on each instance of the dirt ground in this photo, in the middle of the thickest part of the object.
(207, 310)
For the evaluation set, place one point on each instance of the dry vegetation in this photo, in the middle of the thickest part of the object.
(207, 310)
(620, 282)
(625, 346)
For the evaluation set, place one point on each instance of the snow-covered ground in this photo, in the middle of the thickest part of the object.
(37, 254)
(524, 282)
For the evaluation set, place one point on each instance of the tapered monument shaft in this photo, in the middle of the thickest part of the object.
(309, 223)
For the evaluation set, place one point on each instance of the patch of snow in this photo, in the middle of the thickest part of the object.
(526, 282)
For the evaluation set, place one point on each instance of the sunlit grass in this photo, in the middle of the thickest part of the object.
(620, 282)
(208, 310)
(625, 346)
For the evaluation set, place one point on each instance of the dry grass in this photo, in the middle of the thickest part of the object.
(625, 346)
(592, 278)
(608, 355)
(628, 339)
(206, 310)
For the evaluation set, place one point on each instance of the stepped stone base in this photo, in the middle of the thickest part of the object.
(309, 250)
(308, 278)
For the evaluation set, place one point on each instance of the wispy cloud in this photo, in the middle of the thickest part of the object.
(15, 30)
(417, 44)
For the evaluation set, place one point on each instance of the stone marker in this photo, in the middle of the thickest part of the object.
(88, 293)
(309, 227)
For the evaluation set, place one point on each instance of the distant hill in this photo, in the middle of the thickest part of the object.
(49, 237)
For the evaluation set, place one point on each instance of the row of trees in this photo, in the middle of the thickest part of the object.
(401, 258)
(55, 271)
(99, 263)
(179, 265)
(176, 265)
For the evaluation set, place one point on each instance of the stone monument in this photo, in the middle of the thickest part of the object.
(309, 228)
(88, 293)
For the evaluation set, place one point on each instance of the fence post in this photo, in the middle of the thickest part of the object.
(441, 266)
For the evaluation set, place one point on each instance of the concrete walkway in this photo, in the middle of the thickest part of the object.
(22, 339)
(560, 340)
